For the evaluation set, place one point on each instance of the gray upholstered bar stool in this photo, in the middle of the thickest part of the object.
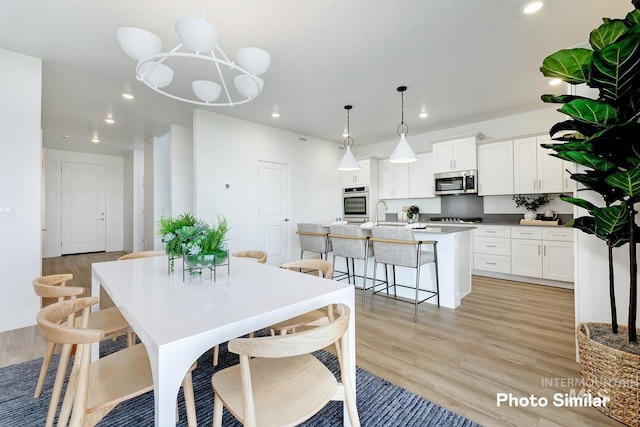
(397, 246)
(350, 242)
(314, 238)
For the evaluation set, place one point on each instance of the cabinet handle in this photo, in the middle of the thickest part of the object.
(539, 184)
(490, 231)
(454, 164)
(544, 250)
(538, 249)
(492, 263)
(534, 184)
(491, 246)
(528, 234)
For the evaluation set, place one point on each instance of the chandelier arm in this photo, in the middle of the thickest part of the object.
(158, 62)
(232, 65)
(224, 83)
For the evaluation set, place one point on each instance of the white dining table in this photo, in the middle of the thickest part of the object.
(178, 320)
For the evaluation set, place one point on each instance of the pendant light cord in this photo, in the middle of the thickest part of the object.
(348, 141)
(401, 128)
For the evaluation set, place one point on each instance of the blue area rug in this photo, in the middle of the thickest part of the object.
(380, 403)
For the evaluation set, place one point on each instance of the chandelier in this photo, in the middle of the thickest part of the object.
(199, 57)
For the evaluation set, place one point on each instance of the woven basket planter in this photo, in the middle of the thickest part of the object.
(612, 373)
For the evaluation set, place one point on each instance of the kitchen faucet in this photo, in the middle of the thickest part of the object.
(386, 208)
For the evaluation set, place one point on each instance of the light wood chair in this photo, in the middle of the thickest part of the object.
(261, 256)
(110, 320)
(397, 246)
(279, 382)
(306, 265)
(95, 388)
(142, 254)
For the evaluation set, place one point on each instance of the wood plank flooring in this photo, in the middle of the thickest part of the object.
(505, 337)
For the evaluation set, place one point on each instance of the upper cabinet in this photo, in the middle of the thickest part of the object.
(456, 155)
(393, 180)
(406, 180)
(421, 176)
(535, 170)
(495, 168)
(359, 177)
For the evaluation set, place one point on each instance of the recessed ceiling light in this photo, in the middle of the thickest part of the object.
(95, 140)
(555, 82)
(127, 96)
(423, 115)
(532, 7)
(275, 115)
(109, 120)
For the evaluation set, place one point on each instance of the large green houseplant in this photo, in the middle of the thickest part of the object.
(602, 136)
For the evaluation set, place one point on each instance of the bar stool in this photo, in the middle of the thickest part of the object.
(350, 242)
(397, 246)
(314, 238)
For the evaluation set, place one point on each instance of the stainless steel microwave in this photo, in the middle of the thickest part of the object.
(458, 182)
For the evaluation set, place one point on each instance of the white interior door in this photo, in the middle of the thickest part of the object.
(83, 193)
(274, 225)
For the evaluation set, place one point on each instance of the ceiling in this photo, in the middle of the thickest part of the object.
(463, 61)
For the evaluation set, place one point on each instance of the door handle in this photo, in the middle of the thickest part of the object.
(286, 220)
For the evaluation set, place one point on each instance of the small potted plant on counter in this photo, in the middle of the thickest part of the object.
(413, 214)
(531, 204)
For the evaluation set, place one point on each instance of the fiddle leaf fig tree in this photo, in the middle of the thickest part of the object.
(602, 135)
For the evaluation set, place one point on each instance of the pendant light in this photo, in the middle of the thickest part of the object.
(403, 152)
(349, 162)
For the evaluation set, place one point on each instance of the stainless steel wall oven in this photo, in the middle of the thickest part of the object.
(356, 204)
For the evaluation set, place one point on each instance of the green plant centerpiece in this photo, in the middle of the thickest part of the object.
(531, 203)
(198, 243)
(602, 136)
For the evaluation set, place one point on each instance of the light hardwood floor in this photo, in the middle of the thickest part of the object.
(505, 337)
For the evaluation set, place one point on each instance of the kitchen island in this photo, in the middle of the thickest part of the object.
(454, 265)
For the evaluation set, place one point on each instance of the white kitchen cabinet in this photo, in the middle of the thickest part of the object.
(535, 171)
(456, 155)
(492, 248)
(393, 180)
(421, 176)
(542, 252)
(495, 168)
(359, 177)
(568, 185)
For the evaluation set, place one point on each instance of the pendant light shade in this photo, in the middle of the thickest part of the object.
(349, 162)
(403, 152)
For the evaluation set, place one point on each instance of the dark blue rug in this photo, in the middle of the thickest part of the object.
(380, 403)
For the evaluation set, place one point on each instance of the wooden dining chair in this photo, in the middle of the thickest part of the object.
(309, 266)
(261, 256)
(95, 388)
(279, 382)
(110, 320)
(141, 254)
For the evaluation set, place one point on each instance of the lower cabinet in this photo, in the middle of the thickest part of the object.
(542, 252)
(492, 248)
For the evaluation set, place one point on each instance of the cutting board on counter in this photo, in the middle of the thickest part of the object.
(553, 223)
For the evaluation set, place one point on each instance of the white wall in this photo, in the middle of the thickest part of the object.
(133, 234)
(114, 166)
(157, 188)
(20, 187)
(181, 170)
(227, 151)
